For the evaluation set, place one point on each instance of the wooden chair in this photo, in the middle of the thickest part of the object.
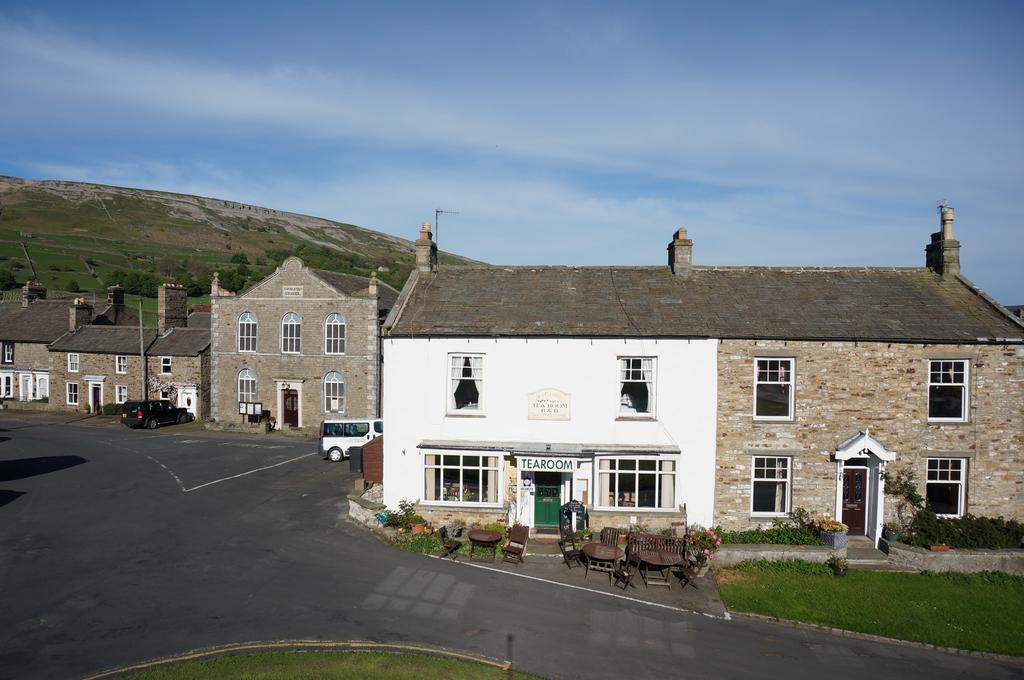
(623, 574)
(570, 551)
(450, 547)
(610, 536)
(516, 548)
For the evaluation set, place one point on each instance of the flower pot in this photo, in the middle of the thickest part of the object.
(418, 529)
(833, 539)
(939, 547)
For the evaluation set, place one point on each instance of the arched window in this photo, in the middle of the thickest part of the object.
(246, 385)
(334, 334)
(247, 332)
(334, 393)
(291, 333)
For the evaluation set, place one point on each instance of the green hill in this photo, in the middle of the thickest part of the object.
(72, 235)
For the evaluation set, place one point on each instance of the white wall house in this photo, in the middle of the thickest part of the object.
(511, 391)
(549, 412)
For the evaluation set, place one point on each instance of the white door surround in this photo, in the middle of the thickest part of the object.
(188, 398)
(280, 386)
(859, 448)
(94, 407)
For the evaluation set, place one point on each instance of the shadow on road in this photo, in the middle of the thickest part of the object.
(30, 467)
(6, 496)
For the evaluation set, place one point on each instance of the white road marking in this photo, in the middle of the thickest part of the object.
(243, 474)
(168, 472)
(726, 617)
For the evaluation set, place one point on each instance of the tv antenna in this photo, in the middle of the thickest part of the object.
(437, 213)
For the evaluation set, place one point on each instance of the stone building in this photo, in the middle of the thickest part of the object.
(97, 365)
(304, 343)
(29, 325)
(745, 391)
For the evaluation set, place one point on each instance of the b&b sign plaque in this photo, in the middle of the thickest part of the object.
(548, 404)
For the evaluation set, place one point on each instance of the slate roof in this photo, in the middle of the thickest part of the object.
(349, 284)
(180, 342)
(103, 340)
(894, 304)
(41, 321)
(199, 320)
(116, 315)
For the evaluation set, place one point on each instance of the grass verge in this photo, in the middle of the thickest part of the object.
(355, 665)
(980, 612)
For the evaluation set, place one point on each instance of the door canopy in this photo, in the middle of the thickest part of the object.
(862, 444)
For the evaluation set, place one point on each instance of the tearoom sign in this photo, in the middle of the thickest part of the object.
(548, 404)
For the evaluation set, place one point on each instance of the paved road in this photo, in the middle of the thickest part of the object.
(118, 546)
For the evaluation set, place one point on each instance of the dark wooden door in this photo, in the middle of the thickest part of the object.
(855, 493)
(290, 407)
(96, 399)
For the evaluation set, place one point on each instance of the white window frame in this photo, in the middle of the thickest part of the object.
(247, 332)
(330, 380)
(120, 394)
(452, 383)
(461, 467)
(42, 386)
(8, 349)
(166, 366)
(68, 393)
(74, 362)
(791, 382)
(121, 364)
(291, 344)
(249, 377)
(7, 385)
(658, 473)
(965, 401)
(624, 371)
(960, 481)
(788, 480)
(335, 345)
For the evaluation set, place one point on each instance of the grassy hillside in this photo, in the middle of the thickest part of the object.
(89, 236)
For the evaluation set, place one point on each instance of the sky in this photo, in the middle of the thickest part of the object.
(777, 133)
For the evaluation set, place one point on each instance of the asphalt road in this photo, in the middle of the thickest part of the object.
(118, 546)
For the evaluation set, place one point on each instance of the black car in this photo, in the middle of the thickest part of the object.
(152, 413)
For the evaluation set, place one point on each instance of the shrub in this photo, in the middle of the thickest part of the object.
(777, 535)
(404, 517)
(968, 531)
(111, 409)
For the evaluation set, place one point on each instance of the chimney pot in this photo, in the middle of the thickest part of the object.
(942, 254)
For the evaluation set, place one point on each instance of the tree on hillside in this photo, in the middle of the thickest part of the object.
(239, 258)
(7, 280)
(73, 286)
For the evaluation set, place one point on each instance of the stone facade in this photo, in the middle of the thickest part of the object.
(186, 371)
(101, 369)
(842, 388)
(294, 288)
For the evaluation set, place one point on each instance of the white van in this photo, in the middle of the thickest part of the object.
(336, 436)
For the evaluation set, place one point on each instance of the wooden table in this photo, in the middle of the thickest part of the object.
(601, 557)
(659, 561)
(484, 540)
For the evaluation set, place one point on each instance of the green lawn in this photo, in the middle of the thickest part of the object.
(149, 306)
(982, 612)
(355, 665)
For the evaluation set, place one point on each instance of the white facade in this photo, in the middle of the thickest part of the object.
(573, 437)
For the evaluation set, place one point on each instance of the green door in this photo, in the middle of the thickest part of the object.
(547, 501)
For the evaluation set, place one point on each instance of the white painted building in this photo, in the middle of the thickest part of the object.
(492, 415)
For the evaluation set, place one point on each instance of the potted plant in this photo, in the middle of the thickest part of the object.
(701, 546)
(890, 532)
(832, 532)
(417, 524)
(839, 565)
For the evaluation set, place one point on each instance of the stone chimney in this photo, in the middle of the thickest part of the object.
(32, 291)
(426, 250)
(942, 255)
(680, 254)
(373, 284)
(171, 307)
(115, 295)
(80, 314)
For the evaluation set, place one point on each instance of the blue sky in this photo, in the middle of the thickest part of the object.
(778, 133)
